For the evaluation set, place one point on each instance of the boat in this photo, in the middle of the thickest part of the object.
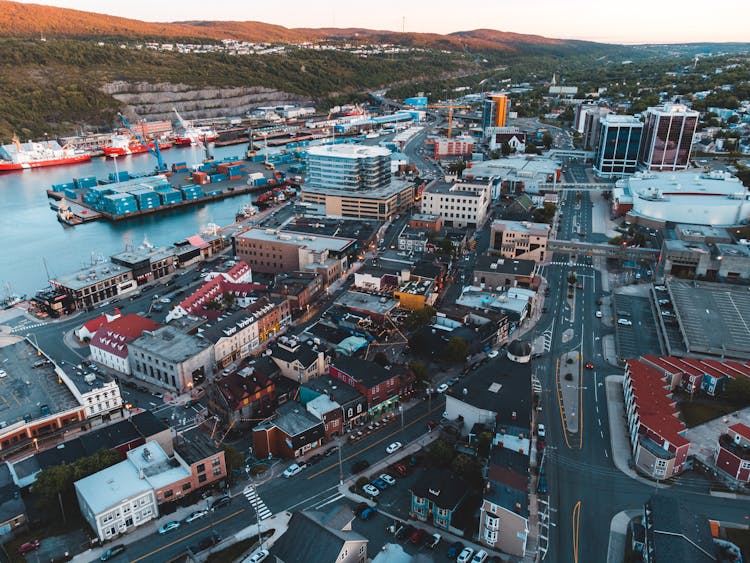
(65, 215)
(11, 299)
(20, 156)
(195, 136)
(125, 144)
(245, 212)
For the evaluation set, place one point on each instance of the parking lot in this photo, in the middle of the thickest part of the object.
(640, 337)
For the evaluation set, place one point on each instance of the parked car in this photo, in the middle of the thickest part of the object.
(492, 354)
(221, 502)
(292, 470)
(359, 466)
(331, 451)
(257, 556)
(112, 552)
(394, 447)
(624, 322)
(479, 557)
(455, 549)
(169, 526)
(400, 468)
(368, 513)
(465, 555)
(599, 314)
(387, 479)
(360, 507)
(380, 484)
(433, 541)
(29, 546)
(196, 515)
(371, 490)
(405, 532)
(418, 536)
(442, 388)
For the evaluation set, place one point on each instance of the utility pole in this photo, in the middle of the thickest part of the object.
(341, 468)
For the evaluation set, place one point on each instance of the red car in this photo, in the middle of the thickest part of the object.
(29, 546)
(589, 365)
(418, 537)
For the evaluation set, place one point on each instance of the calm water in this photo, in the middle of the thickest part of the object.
(31, 234)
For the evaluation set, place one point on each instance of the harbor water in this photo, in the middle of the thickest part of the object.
(35, 243)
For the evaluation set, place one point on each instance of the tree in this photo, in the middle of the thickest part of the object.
(419, 318)
(441, 453)
(381, 359)
(530, 149)
(419, 369)
(547, 140)
(446, 246)
(572, 278)
(232, 458)
(506, 148)
(456, 350)
(460, 463)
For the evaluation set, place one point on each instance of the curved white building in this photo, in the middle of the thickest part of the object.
(348, 167)
(701, 198)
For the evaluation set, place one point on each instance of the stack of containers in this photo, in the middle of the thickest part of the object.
(218, 178)
(119, 204)
(146, 198)
(64, 186)
(121, 176)
(95, 196)
(83, 183)
(191, 192)
(213, 192)
(179, 167)
(200, 178)
(70, 193)
(169, 196)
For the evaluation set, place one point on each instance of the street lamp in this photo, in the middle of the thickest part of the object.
(401, 410)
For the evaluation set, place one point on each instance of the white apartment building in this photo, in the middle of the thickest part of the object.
(460, 205)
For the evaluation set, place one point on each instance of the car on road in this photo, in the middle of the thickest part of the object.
(292, 470)
(452, 381)
(418, 536)
(158, 308)
(387, 479)
(579, 286)
(540, 431)
(3, 373)
(541, 487)
(196, 515)
(257, 556)
(158, 394)
(394, 447)
(165, 300)
(492, 354)
(405, 532)
(29, 546)
(113, 551)
(624, 322)
(599, 314)
(359, 466)
(169, 526)
(221, 502)
(331, 451)
(442, 388)
(432, 542)
(371, 490)
(589, 365)
(455, 549)
(368, 513)
(465, 555)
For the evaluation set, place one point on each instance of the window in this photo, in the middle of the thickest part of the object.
(361, 549)
(490, 536)
(442, 512)
(202, 478)
(168, 493)
(215, 462)
(491, 522)
(217, 471)
(201, 467)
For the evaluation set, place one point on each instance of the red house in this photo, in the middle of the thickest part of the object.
(733, 453)
(382, 386)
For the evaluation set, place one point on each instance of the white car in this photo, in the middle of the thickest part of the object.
(624, 322)
(492, 354)
(371, 490)
(257, 556)
(3, 373)
(395, 446)
(540, 430)
(165, 300)
(479, 557)
(196, 515)
(291, 471)
(599, 315)
(442, 388)
(388, 479)
(465, 555)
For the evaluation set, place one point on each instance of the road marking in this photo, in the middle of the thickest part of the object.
(333, 499)
(254, 498)
(576, 527)
(601, 433)
(183, 538)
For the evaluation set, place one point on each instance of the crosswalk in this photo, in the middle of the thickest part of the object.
(566, 263)
(26, 328)
(547, 335)
(257, 502)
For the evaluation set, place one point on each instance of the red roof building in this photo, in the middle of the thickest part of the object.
(88, 329)
(733, 453)
(658, 445)
(109, 345)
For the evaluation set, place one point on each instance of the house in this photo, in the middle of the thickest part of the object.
(353, 403)
(658, 445)
(109, 344)
(320, 537)
(497, 394)
(380, 385)
(494, 273)
(675, 533)
(88, 329)
(436, 497)
(301, 289)
(299, 361)
(733, 453)
(290, 433)
(329, 412)
(241, 398)
(13, 517)
(504, 513)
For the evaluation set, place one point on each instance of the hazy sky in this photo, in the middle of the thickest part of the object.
(635, 21)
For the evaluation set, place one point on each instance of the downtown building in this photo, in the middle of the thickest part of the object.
(667, 138)
(619, 141)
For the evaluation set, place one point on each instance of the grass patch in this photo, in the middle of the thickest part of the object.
(741, 538)
(695, 412)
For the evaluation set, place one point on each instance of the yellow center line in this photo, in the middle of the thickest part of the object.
(383, 439)
(576, 527)
(191, 534)
(560, 403)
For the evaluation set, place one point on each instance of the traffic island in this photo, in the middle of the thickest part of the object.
(569, 389)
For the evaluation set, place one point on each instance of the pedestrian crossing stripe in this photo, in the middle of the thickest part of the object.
(28, 327)
(257, 503)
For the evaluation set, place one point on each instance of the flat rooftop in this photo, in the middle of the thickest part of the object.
(456, 188)
(503, 167)
(366, 302)
(714, 318)
(89, 275)
(316, 243)
(141, 253)
(171, 344)
(521, 227)
(107, 488)
(348, 151)
(25, 389)
(505, 265)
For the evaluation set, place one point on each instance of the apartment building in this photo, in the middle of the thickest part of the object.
(521, 240)
(461, 205)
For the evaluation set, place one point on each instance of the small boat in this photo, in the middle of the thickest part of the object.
(245, 212)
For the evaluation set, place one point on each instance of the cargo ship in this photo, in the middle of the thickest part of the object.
(195, 136)
(125, 144)
(19, 156)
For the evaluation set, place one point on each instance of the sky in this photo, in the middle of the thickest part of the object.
(635, 21)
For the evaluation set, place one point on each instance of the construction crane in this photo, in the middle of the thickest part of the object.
(160, 166)
(184, 124)
(450, 107)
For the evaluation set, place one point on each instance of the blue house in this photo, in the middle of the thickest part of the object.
(437, 496)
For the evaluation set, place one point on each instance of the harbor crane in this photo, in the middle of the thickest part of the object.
(160, 166)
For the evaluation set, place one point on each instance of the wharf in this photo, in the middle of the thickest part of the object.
(225, 189)
(78, 213)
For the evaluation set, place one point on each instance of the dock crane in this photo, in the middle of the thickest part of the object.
(160, 166)
(450, 107)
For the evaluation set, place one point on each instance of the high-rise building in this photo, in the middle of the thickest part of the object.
(348, 167)
(617, 150)
(667, 137)
(494, 111)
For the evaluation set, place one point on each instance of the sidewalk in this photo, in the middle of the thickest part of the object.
(618, 534)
